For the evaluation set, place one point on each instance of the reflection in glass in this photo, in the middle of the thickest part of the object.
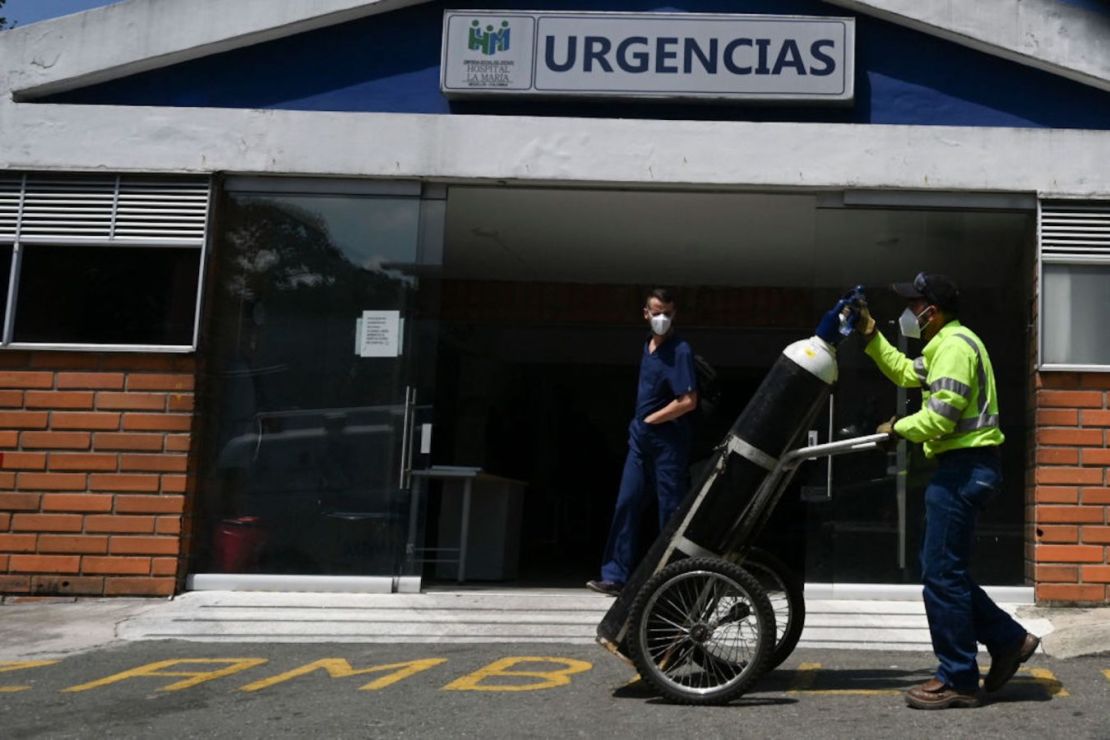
(301, 458)
(1076, 314)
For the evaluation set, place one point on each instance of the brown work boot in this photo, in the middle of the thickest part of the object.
(1005, 664)
(935, 694)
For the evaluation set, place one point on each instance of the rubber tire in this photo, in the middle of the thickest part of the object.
(761, 610)
(764, 566)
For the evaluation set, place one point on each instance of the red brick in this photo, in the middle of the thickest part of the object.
(1096, 457)
(4, 557)
(131, 401)
(157, 422)
(163, 566)
(18, 542)
(1058, 534)
(1056, 495)
(1057, 456)
(15, 584)
(97, 420)
(59, 400)
(1070, 515)
(1069, 554)
(44, 563)
(1071, 593)
(178, 442)
(168, 525)
(117, 523)
(122, 482)
(133, 363)
(26, 379)
(1096, 495)
(8, 438)
(1095, 418)
(174, 483)
(93, 381)
(155, 382)
(56, 440)
(87, 461)
(128, 442)
(79, 544)
(64, 360)
(5, 521)
(75, 585)
(52, 481)
(144, 546)
(154, 463)
(1070, 437)
(1081, 476)
(87, 502)
(20, 501)
(180, 402)
(135, 566)
(1095, 535)
(24, 461)
(24, 419)
(1057, 417)
(150, 504)
(11, 399)
(7, 481)
(1096, 573)
(1059, 380)
(139, 586)
(12, 359)
(1057, 573)
(46, 523)
(1069, 399)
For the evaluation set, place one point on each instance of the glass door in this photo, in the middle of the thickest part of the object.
(315, 376)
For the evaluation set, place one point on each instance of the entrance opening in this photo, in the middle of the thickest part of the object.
(541, 333)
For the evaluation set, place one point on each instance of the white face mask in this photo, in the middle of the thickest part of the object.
(909, 323)
(660, 324)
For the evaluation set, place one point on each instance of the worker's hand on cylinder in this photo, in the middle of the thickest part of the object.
(887, 428)
(865, 325)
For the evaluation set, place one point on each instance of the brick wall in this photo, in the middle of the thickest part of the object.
(1069, 516)
(93, 479)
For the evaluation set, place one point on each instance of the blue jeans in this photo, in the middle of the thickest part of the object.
(960, 613)
(657, 462)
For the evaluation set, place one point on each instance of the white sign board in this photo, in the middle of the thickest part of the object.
(648, 55)
(378, 334)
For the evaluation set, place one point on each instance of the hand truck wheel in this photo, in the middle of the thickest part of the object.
(786, 592)
(701, 631)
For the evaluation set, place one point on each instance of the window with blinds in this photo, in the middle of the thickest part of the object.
(1074, 249)
(102, 261)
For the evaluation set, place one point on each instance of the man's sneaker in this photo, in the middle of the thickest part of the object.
(609, 588)
(1005, 664)
(935, 694)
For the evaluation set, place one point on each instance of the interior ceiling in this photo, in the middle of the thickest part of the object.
(734, 239)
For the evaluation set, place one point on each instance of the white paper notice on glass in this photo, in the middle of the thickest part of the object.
(378, 334)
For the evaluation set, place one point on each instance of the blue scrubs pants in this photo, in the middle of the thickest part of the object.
(960, 613)
(658, 461)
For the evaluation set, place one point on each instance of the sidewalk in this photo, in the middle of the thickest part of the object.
(54, 627)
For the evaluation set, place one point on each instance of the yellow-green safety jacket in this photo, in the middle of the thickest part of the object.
(959, 398)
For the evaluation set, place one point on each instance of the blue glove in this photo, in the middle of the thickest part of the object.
(828, 328)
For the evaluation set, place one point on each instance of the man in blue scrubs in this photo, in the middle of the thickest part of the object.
(658, 440)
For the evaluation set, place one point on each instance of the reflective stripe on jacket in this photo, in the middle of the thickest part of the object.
(959, 398)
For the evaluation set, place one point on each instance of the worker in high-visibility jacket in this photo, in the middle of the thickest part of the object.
(958, 427)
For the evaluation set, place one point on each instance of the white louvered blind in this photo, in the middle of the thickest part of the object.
(1075, 231)
(103, 209)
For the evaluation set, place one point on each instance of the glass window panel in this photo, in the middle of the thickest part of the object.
(5, 275)
(107, 295)
(1076, 314)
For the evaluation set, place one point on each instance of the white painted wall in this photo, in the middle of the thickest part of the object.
(555, 150)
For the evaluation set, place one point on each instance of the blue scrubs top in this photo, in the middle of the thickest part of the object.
(665, 375)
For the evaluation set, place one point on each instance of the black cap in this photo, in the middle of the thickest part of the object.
(938, 290)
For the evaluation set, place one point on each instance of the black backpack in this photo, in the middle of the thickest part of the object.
(709, 389)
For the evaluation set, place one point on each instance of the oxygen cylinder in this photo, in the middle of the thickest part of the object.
(721, 514)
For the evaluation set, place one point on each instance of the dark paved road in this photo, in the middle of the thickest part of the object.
(177, 689)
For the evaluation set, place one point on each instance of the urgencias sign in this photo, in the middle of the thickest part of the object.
(648, 55)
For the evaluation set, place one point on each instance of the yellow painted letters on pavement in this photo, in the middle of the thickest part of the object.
(504, 668)
(340, 668)
(7, 666)
(233, 665)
